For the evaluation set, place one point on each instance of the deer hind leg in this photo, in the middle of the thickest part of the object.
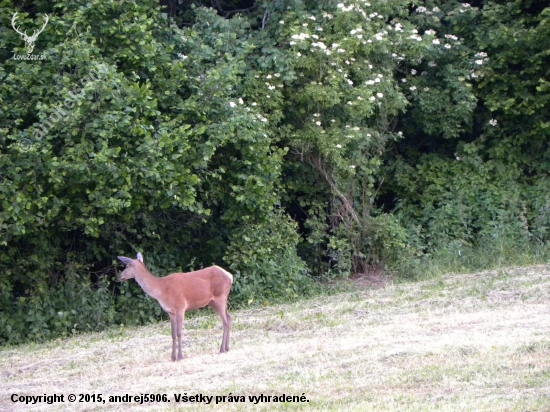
(220, 307)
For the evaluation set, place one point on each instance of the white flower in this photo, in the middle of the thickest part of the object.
(350, 103)
(479, 61)
(379, 95)
(232, 104)
(436, 9)
(298, 54)
(377, 80)
(412, 88)
(426, 89)
(349, 81)
(380, 75)
(254, 104)
(312, 18)
(240, 101)
(320, 44)
(268, 76)
(340, 50)
(305, 24)
(435, 41)
(301, 36)
(404, 80)
(339, 146)
(332, 120)
(413, 71)
(430, 32)
(182, 56)
(493, 122)
(432, 64)
(277, 75)
(447, 46)
(352, 166)
(281, 22)
(400, 133)
(318, 123)
(372, 98)
(369, 135)
(465, 4)
(421, 9)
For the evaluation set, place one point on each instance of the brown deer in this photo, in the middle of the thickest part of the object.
(179, 292)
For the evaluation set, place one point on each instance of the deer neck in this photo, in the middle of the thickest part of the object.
(148, 282)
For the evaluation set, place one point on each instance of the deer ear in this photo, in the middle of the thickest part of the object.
(140, 257)
(125, 260)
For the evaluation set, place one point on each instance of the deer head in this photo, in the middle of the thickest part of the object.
(130, 271)
(29, 40)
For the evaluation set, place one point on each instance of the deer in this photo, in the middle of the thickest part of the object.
(178, 293)
(29, 40)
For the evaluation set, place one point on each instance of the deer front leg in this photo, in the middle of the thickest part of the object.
(179, 324)
(174, 325)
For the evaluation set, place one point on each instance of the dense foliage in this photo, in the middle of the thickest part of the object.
(285, 140)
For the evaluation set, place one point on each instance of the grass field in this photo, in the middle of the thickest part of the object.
(475, 342)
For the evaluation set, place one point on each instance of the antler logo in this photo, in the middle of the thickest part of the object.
(29, 40)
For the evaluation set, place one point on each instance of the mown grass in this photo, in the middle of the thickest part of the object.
(470, 342)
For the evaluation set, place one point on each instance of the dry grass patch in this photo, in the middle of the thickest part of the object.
(476, 342)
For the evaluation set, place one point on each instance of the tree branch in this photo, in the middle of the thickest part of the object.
(318, 163)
